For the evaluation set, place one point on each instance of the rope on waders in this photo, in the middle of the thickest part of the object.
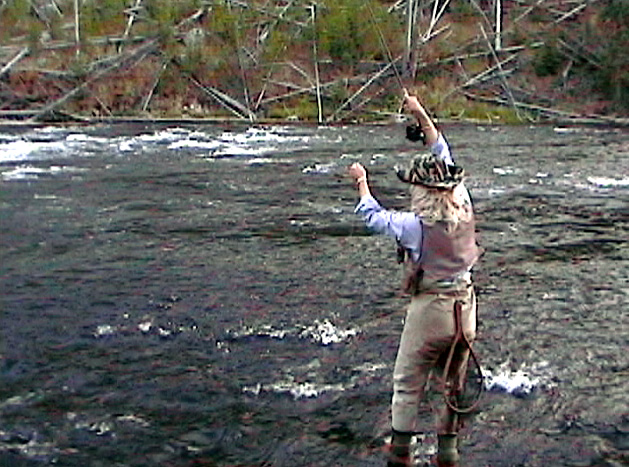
(454, 386)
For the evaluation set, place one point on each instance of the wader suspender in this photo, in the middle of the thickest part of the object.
(454, 386)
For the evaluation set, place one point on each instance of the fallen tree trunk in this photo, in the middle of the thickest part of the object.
(360, 91)
(226, 101)
(480, 77)
(69, 95)
(23, 53)
(573, 117)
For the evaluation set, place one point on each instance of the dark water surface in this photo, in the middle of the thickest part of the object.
(205, 296)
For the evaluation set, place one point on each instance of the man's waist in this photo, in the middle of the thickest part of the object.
(458, 281)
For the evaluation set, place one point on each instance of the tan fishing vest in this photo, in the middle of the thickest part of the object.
(444, 255)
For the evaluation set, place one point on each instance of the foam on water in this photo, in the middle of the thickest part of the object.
(608, 182)
(320, 332)
(167, 136)
(236, 150)
(257, 135)
(504, 170)
(520, 382)
(34, 448)
(194, 144)
(27, 441)
(21, 150)
(299, 388)
(255, 144)
(267, 160)
(326, 333)
(320, 168)
(83, 138)
(146, 326)
(251, 142)
(28, 172)
(564, 130)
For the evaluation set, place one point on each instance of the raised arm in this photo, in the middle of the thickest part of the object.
(359, 174)
(417, 110)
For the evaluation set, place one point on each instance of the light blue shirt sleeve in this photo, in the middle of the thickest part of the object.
(441, 149)
(404, 226)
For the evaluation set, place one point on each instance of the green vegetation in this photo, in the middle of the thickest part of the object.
(262, 55)
(345, 32)
(613, 75)
(548, 59)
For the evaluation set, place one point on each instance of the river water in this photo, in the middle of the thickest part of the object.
(204, 295)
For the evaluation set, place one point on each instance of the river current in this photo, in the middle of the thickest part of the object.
(204, 295)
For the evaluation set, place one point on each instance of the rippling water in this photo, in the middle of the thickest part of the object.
(204, 295)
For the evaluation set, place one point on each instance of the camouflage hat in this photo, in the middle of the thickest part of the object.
(428, 171)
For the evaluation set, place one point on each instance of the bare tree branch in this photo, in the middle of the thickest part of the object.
(23, 53)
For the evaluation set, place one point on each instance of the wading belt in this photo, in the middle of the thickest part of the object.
(455, 384)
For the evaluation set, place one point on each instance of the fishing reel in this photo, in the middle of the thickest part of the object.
(415, 133)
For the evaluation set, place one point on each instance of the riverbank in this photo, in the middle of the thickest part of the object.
(554, 61)
(67, 119)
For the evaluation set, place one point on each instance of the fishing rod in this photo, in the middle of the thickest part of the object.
(383, 44)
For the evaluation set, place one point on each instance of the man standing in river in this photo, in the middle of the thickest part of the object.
(438, 237)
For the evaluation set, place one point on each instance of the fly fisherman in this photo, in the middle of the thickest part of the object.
(437, 235)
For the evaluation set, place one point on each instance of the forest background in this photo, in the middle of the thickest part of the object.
(502, 61)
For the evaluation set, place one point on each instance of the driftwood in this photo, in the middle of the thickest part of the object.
(77, 38)
(550, 111)
(454, 58)
(93, 41)
(572, 12)
(501, 73)
(366, 100)
(410, 48)
(301, 71)
(316, 64)
(46, 72)
(288, 95)
(573, 53)
(481, 77)
(123, 60)
(132, 12)
(528, 10)
(437, 14)
(149, 96)
(53, 115)
(297, 90)
(365, 86)
(226, 101)
(23, 53)
(261, 38)
(265, 30)
(243, 76)
(120, 61)
(102, 105)
(265, 82)
(267, 11)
